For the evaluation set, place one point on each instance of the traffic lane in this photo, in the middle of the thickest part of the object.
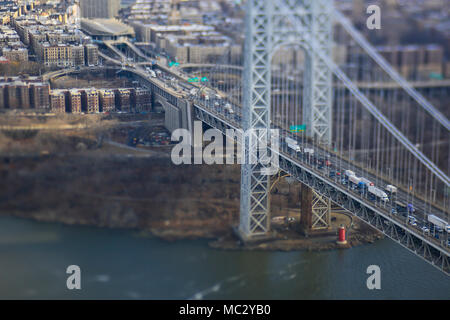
(420, 209)
(418, 203)
(419, 216)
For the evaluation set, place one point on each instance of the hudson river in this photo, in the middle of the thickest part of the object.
(121, 264)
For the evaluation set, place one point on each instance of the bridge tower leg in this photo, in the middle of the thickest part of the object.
(254, 211)
(317, 92)
(270, 24)
(315, 211)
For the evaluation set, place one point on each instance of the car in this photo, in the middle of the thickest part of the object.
(390, 188)
(425, 230)
(412, 221)
(349, 173)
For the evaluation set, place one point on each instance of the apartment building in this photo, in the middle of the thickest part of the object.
(17, 54)
(91, 54)
(107, 100)
(56, 55)
(202, 48)
(58, 101)
(141, 99)
(90, 101)
(123, 99)
(16, 95)
(415, 62)
(105, 9)
(77, 55)
(39, 96)
(24, 93)
(73, 101)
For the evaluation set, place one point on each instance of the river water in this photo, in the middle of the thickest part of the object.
(122, 264)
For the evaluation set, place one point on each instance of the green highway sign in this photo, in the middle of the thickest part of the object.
(436, 76)
(298, 128)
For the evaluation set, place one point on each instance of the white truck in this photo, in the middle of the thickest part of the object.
(367, 182)
(294, 147)
(309, 151)
(354, 179)
(378, 193)
(291, 141)
(349, 173)
(390, 188)
(439, 222)
(292, 144)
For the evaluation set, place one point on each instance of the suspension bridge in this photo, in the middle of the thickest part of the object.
(372, 144)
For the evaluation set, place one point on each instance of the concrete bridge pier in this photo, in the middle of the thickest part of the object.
(182, 116)
(315, 211)
(178, 113)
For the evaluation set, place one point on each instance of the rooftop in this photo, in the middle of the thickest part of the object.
(105, 27)
(191, 27)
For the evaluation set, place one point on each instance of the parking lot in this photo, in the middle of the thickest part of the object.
(146, 136)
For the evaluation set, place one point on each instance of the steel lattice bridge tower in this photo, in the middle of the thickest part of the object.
(270, 25)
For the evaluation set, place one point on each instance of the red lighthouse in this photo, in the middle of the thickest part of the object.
(341, 238)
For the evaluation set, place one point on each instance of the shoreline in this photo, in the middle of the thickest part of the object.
(84, 179)
(226, 239)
